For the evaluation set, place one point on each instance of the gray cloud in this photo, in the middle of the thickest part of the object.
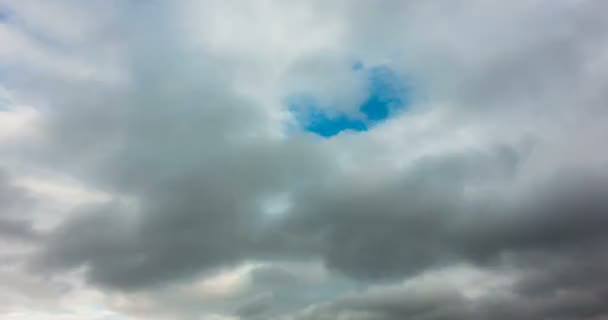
(15, 203)
(17, 229)
(11, 196)
(497, 163)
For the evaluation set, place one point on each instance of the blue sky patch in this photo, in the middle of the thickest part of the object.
(387, 94)
(320, 121)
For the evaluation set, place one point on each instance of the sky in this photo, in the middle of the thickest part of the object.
(303, 160)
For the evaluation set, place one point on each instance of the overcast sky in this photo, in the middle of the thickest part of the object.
(303, 160)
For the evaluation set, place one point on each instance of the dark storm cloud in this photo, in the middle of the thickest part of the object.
(206, 221)
(402, 226)
(566, 212)
(426, 220)
(554, 238)
(422, 218)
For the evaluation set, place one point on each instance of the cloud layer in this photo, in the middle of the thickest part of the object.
(153, 167)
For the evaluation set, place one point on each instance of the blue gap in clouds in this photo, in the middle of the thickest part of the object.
(387, 94)
(319, 121)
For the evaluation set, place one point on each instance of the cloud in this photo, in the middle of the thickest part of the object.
(154, 168)
(14, 225)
